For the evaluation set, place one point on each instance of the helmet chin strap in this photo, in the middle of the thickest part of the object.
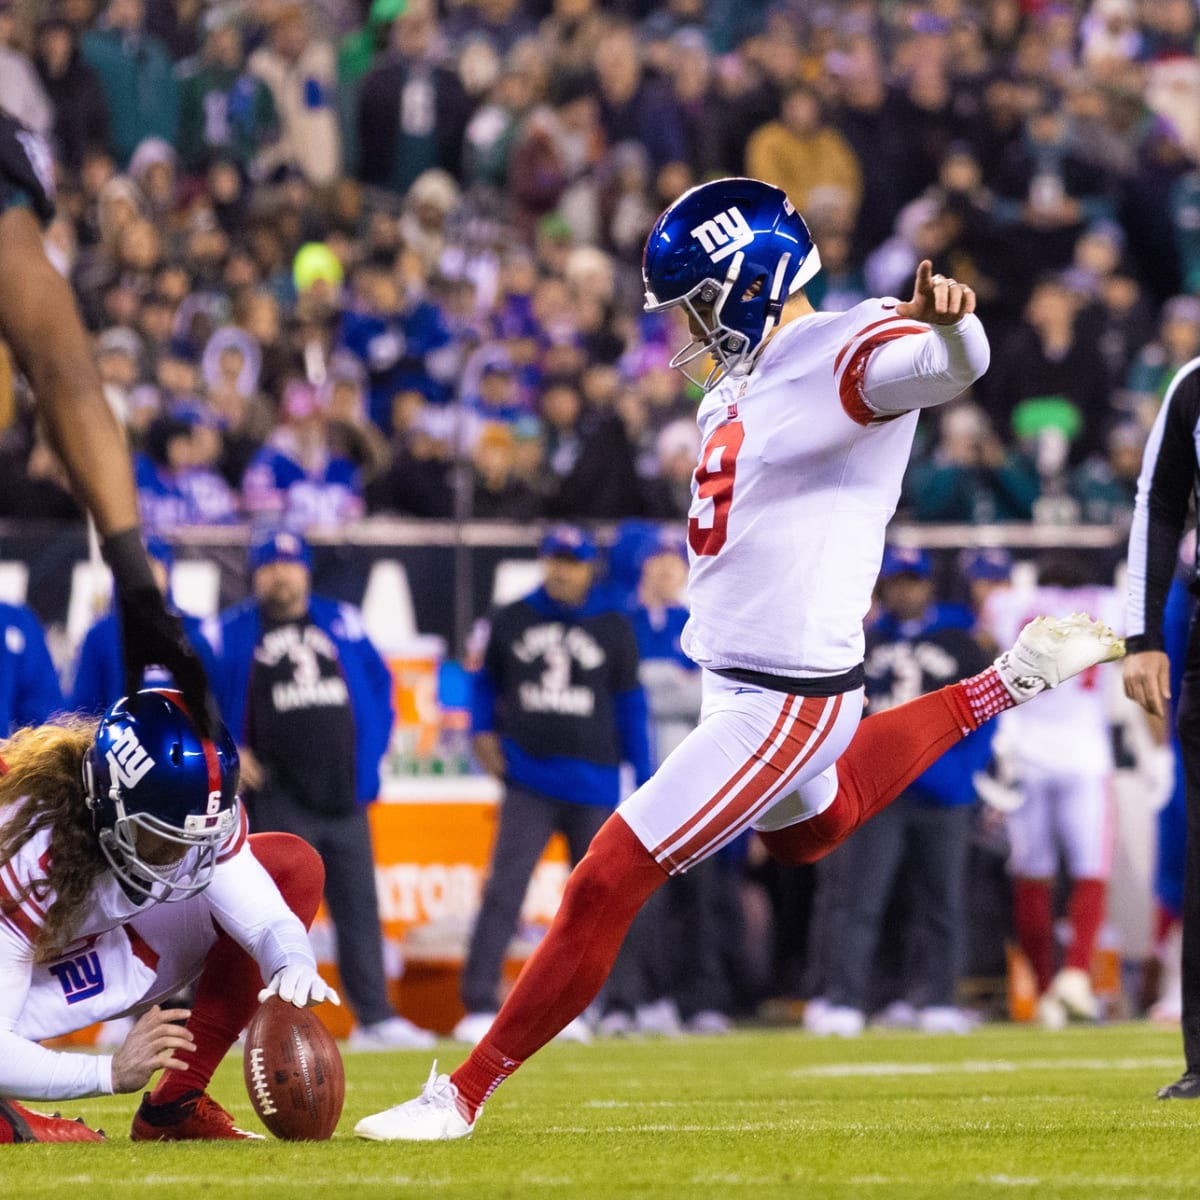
(774, 308)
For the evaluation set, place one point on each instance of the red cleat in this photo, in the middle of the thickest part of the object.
(194, 1117)
(21, 1124)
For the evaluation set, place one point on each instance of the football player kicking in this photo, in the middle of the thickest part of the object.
(806, 428)
(126, 875)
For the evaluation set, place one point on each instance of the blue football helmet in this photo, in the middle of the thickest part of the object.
(711, 247)
(150, 770)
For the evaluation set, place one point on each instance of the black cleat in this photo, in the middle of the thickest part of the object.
(1187, 1087)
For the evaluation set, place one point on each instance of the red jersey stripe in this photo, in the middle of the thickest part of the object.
(850, 384)
(817, 715)
(11, 910)
(750, 764)
(141, 948)
(837, 362)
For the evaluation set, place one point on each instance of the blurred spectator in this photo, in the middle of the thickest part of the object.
(177, 479)
(804, 155)
(29, 690)
(591, 471)
(223, 107)
(915, 647)
(80, 109)
(136, 74)
(1185, 220)
(352, 434)
(1178, 342)
(33, 481)
(21, 91)
(632, 105)
(1048, 190)
(571, 33)
(154, 167)
(498, 492)
(705, 122)
(557, 708)
(412, 112)
(970, 475)
(309, 701)
(356, 55)
(1046, 357)
(418, 481)
(423, 225)
(301, 73)
(100, 669)
(296, 480)
(1105, 488)
(1062, 763)
(498, 23)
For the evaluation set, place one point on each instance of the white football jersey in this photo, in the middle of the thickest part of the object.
(123, 954)
(1067, 730)
(798, 478)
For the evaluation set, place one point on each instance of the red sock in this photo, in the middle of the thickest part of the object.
(888, 751)
(1086, 910)
(227, 990)
(1034, 924)
(566, 971)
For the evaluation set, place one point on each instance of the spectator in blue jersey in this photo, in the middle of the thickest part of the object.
(309, 701)
(29, 691)
(916, 646)
(556, 709)
(298, 479)
(177, 478)
(100, 668)
(391, 338)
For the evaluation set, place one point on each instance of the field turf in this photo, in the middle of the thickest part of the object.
(1005, 1112)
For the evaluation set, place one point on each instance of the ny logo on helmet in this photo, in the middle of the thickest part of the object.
(127, 760)
(725, 234)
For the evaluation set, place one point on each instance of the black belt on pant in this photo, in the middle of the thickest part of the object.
(794, 685)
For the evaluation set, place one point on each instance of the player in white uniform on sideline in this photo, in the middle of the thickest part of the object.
(126, 874)
(1060, 755)
(806, 428)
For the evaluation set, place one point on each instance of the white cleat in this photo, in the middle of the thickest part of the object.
(395, 1033)
(836, 1020)
(473, 1027)
(1072, 988)
(1051, 649)
(433, 1116)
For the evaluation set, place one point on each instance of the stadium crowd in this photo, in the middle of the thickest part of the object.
(343, 260)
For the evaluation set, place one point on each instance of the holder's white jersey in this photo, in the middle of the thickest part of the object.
(124, 955)
(1067, 731)
(799, 473)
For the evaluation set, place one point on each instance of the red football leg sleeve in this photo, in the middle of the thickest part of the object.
(888, 751)
(564, 974)
(1086, 910)
(228, 987)
(1033, 922)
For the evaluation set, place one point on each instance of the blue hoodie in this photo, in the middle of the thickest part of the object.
(29, 691)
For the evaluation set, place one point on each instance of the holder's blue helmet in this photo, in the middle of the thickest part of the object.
(150, 770)
(711, 247)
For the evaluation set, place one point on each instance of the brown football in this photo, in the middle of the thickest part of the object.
(293, 1072)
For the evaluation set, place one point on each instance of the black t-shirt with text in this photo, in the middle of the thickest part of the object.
(301, 725)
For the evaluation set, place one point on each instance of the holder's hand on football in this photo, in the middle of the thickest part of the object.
(155, 1042)
(936, 299)
(300, 985)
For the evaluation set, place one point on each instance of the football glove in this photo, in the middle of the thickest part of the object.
(150, 634)
(300, 985)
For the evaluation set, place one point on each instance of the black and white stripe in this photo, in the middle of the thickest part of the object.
(1170, 478)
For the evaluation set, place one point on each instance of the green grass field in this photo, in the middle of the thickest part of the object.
(1006, 1111)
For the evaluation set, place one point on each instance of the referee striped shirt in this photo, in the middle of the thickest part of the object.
(1169, 481)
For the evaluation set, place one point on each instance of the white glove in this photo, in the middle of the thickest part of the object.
(996, 793)
(300, 985)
